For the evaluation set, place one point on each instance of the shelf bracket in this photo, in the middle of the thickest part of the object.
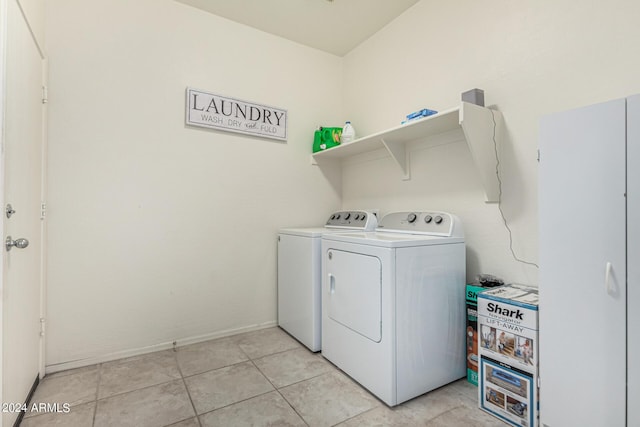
(400, 155)
(483, 129)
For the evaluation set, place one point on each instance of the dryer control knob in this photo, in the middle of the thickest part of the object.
(357, 217)
(438, 219)
(428, 219)
(412, 218)
(347, 216)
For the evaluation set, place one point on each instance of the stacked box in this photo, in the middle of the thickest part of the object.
(471, 297)
(508, 374)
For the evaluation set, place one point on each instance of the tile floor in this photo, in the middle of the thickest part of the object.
(261, 378)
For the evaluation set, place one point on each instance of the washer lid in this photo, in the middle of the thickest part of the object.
(391, 240)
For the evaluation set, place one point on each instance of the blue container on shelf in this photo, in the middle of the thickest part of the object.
(419, 115)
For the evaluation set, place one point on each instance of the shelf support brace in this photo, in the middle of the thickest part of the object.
(400, 155)
(483, 130)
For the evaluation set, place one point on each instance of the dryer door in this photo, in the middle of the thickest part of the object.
(355, 292)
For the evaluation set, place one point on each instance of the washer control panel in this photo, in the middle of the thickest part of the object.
(435, 223)
(356, 220)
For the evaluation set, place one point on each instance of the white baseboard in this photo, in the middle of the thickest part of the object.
(50, 369)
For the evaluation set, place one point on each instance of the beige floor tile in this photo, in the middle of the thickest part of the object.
(265, 410)
(191, 422)
(328, 399)
(78, 416)
(75, 389)
(206, 356)
(134, 373)
(224, 386)
(465, 416)
(155, 406)
(292, 366)
(264, 342)
(382, 416)
(93, 368)
(465, 388)
(433, 404)
(227, 389)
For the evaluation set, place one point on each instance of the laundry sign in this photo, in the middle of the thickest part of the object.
(233, 115)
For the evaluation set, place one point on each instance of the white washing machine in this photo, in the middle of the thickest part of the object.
(393, 313)
(299, 269)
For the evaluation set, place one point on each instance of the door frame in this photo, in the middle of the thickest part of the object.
(43, 210)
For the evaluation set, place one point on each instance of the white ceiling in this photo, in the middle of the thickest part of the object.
(332, 26)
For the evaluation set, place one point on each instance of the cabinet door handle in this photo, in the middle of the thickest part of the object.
(607, 278)
(332, 284)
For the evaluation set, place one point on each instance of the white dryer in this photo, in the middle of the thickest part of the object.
(299, 269)
(393, 304)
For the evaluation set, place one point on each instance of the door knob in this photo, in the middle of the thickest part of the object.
(18, 243)
(9, 210)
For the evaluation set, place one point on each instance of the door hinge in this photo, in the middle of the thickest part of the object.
(43, 210)
(42, 323)
(45, 94)
(538, 156)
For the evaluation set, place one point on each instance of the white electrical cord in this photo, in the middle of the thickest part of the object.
(504, 219)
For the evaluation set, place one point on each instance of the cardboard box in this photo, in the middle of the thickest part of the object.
(471, 297)
(508, 371)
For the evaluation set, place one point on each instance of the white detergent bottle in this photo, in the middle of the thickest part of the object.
(348, 133)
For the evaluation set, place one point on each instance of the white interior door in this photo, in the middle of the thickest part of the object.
(583, 267)
(22, 146)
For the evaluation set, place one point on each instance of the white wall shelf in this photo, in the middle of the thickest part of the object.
(480, 126)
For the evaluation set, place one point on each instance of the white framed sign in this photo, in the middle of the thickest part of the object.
(209, 110)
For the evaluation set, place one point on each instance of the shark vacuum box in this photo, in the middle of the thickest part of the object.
(508, 371)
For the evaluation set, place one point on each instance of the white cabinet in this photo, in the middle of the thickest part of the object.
(633, 267)
(589, 220)
(482, 128)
